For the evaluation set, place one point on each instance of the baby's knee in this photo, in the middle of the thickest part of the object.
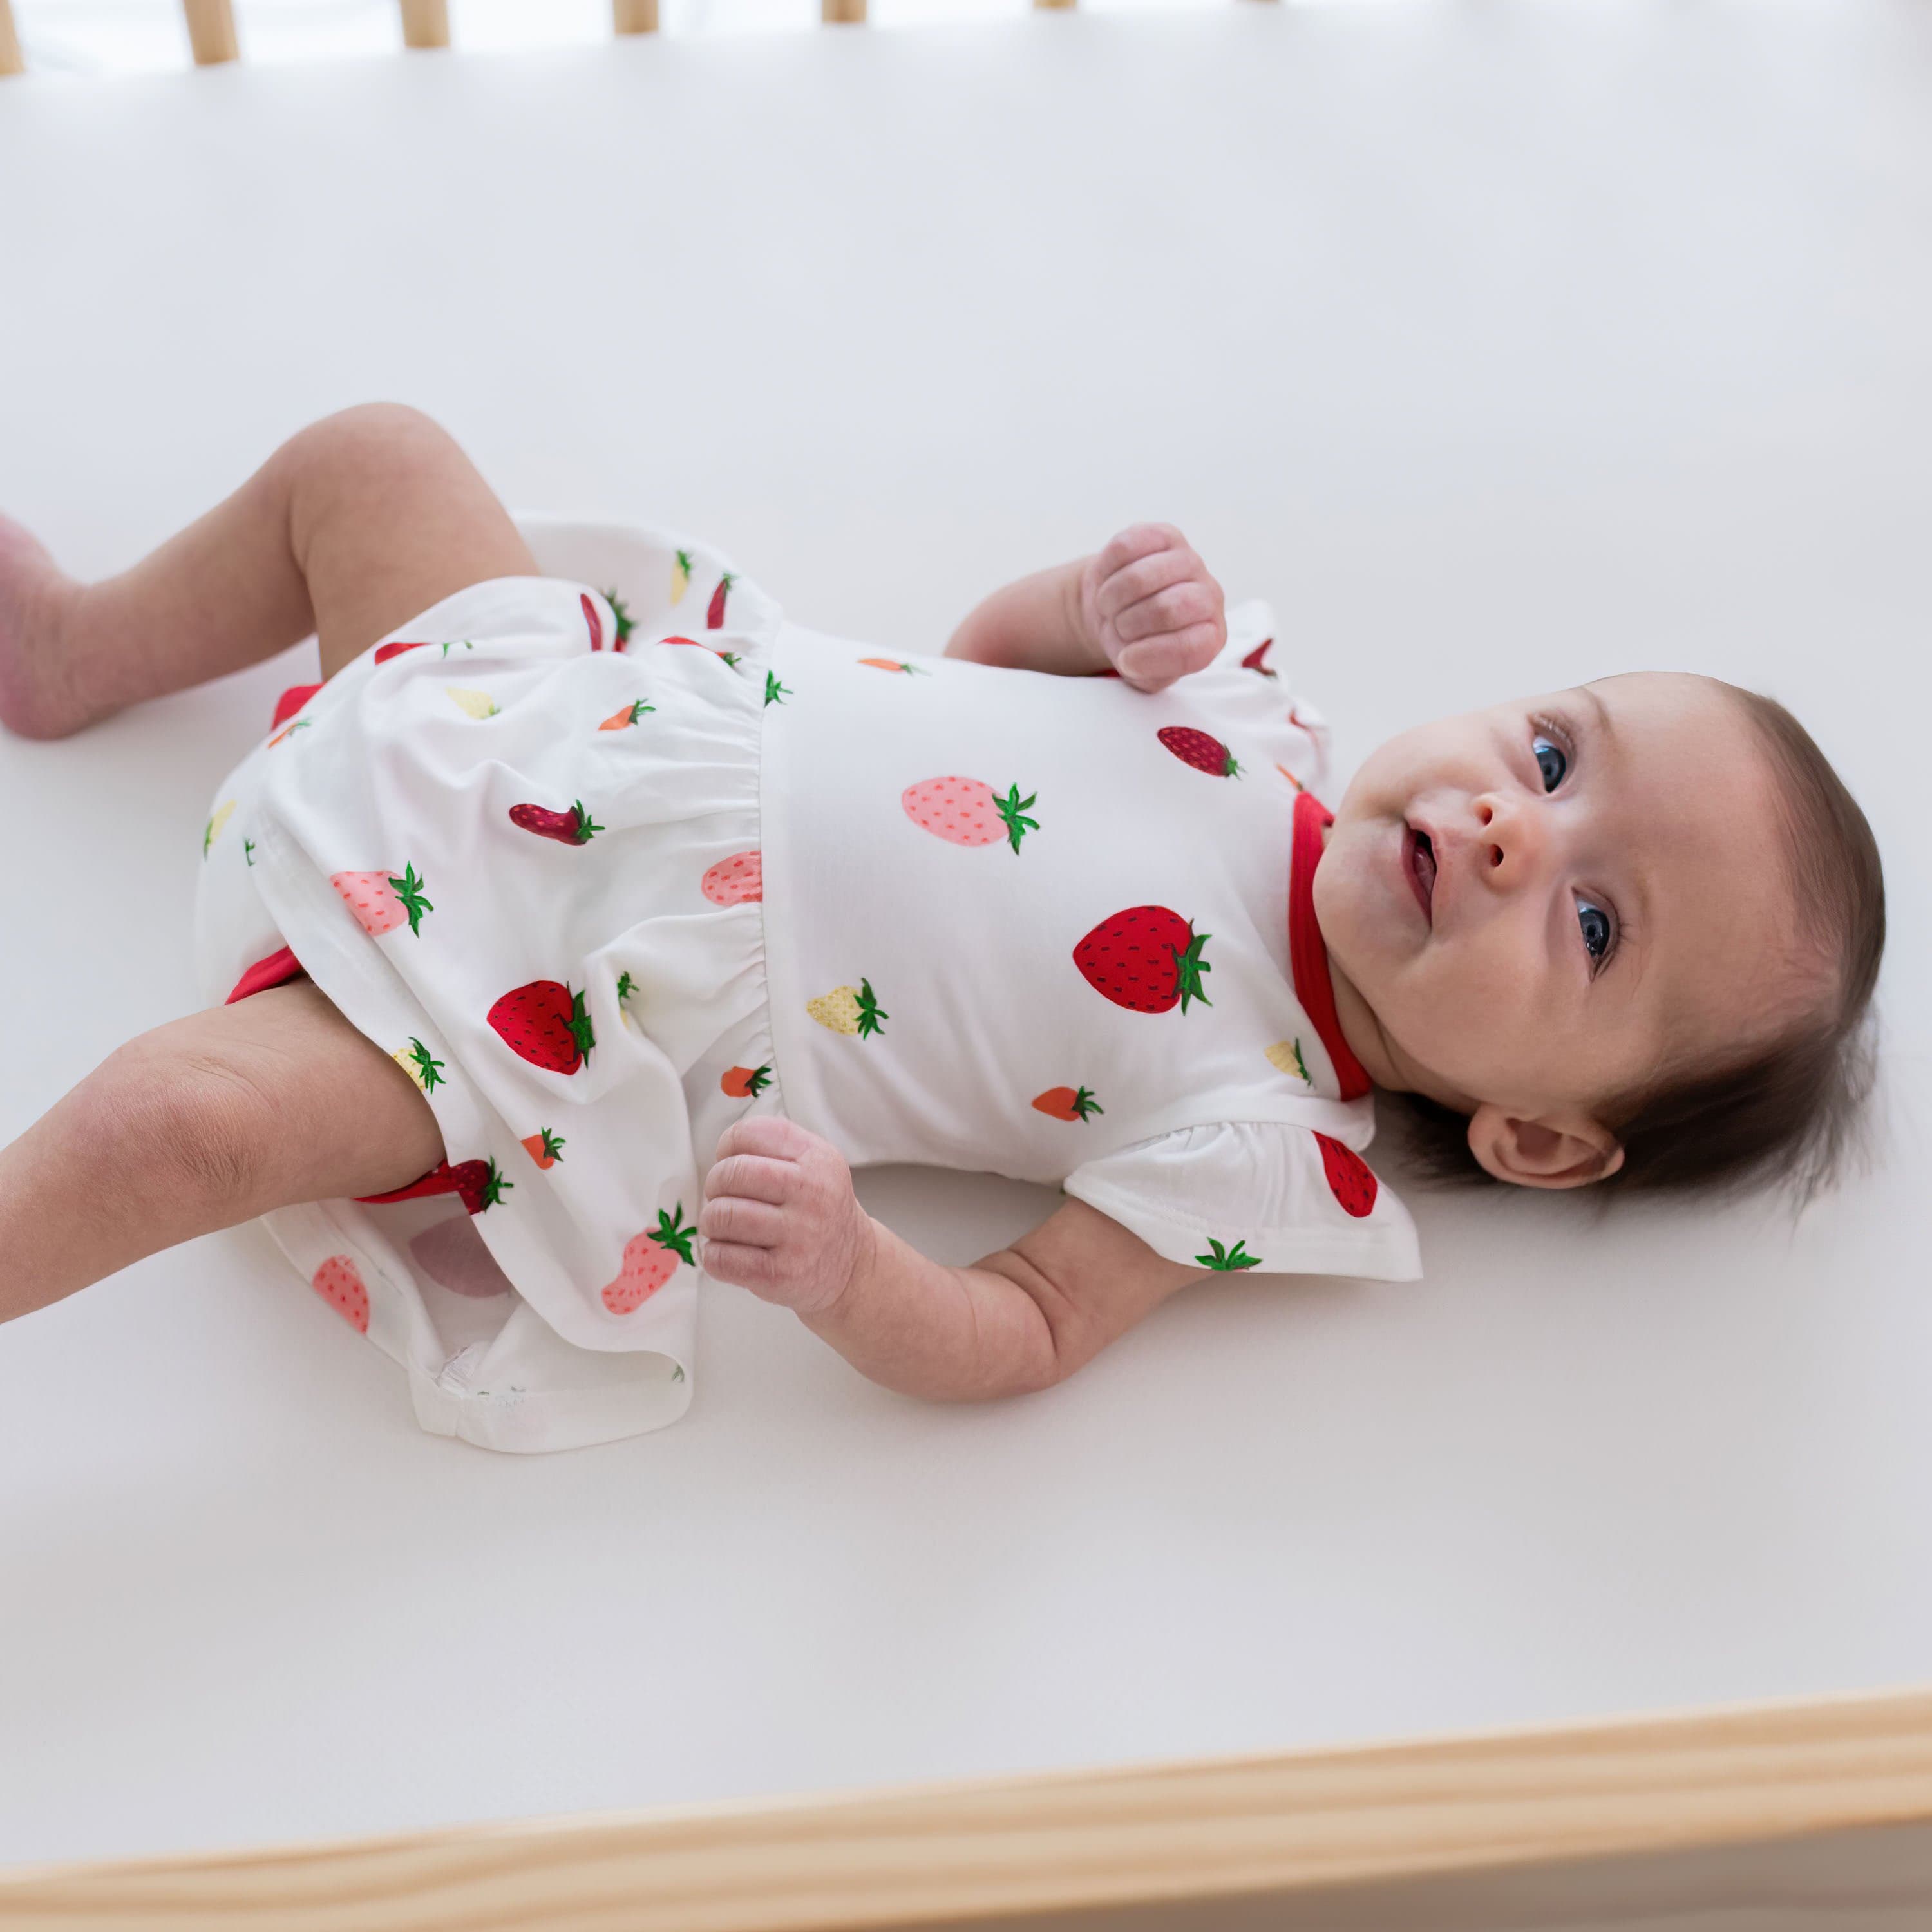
(186, 1120)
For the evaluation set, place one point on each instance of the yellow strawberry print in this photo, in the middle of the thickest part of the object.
(416, 1060)
(1286, 1056)
(223, 812)
(478, 703)
(680, 576)
(852, 1009)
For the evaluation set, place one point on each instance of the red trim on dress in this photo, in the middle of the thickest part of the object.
(277, 970)
(1307, 952)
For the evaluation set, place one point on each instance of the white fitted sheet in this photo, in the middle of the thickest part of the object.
(1498, 347)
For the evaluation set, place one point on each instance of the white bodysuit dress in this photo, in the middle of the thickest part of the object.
(609, 858)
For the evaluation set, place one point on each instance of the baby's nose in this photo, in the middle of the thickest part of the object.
(1510, 841)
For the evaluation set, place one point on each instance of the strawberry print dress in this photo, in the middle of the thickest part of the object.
(608, 858)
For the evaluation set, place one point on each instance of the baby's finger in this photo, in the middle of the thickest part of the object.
(1145, 575)
(739, 1264)
(754, 1177)
(1137, 541)
(1171, 609)
(1156, 663)
(771, 1134)
(751, 1223)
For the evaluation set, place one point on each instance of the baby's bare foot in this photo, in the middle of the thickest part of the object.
(40, 696)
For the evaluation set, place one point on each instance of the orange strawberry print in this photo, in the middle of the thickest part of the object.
(619, 721)
(744, 1083)
(1068, 1103)
(543, 1147)
(896, 664)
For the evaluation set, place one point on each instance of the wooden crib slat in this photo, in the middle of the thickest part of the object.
(425, 23)
(211, 32)
(10, 59)
(849, 13)
(635, 16)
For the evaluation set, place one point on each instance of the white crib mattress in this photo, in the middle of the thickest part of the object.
(1499, 347)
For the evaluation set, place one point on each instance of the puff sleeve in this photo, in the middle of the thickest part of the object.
(1261, 1195)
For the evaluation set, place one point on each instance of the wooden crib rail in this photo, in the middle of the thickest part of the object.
(211, 35)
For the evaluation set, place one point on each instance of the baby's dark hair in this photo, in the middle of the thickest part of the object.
(1790, 1112)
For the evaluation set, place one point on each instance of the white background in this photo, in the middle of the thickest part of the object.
(1498, 347)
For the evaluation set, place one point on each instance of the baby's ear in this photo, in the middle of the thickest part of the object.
(1560, 1151)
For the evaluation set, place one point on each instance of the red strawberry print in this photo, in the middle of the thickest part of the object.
(381, 901)
(543, 1147)
(291, 701)
(574, 827)
(745, 1083)
(475, 1183)
(1068, 1103)
(339, 1281)
(275, 970)
(968, 811)
(384, 652)
(592, 623)
(1197, 749)
(1145, 959)
(1252, 662)
(735, 880)
(1351, 1180)
(714, 618)
(619, 721)
(650, 1260)
(626, 625)
(544, 1023)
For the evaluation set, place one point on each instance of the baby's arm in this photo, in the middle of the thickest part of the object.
(780, 1218)
(1145, 606)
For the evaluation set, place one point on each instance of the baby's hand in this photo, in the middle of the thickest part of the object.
(779, 1215)
(1148, 602)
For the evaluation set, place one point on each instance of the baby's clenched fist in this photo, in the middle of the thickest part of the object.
(779, 1215)
(1149, 604)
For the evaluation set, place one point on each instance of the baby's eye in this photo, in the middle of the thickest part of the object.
(1597, 930)
(1552, 760)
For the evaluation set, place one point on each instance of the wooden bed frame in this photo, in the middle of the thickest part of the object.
(1824, 1805)
(211, 25)
(1815, 1812)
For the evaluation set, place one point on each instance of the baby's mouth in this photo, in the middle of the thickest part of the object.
(1418, 861)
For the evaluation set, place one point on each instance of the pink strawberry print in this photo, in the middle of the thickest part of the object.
(968, 811)
(592, 622)
(339, 1281)
(735, 880)
(714, 618)
(477, 1183)
(381, 901)
(574, 827)
(1145, 959)
(277, 970)
(650, 1260)
(1205, 754)
(1350, 1179)
(545, 1023)
(1253, 661)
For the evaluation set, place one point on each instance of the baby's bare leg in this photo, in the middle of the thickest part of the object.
(352, 527)
(201, 1124)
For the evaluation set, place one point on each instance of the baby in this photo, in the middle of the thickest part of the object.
(590, 920)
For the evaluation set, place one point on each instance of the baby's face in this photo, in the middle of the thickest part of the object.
(1545, 904)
